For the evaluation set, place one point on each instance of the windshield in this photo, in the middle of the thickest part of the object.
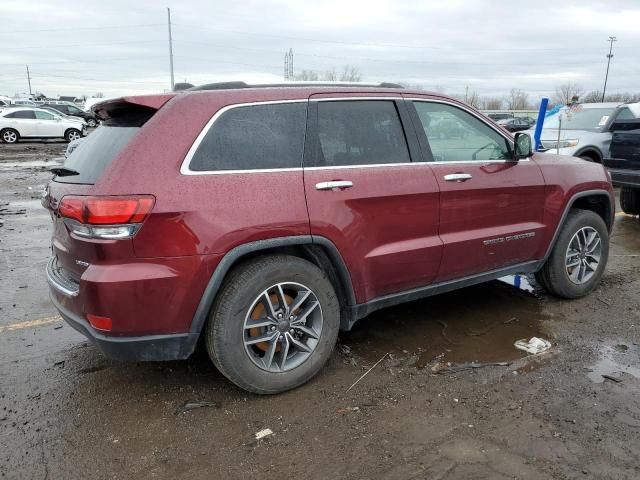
(582, 119)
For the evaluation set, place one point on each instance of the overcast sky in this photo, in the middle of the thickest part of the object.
(119, 47)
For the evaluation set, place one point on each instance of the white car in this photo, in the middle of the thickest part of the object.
(585, 129)
(27, 122)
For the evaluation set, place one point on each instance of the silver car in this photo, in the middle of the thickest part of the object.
(585, 129)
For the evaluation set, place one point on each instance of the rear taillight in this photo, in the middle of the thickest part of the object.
(104, 216)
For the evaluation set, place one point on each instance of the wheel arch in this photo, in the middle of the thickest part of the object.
(68, 129)
(2, 130)
(318, 250)
(597, 201)
(592, 152)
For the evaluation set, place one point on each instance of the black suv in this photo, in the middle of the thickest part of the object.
(68, 109)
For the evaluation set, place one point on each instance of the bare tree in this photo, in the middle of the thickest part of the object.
(492, 103)
(349, 73)
(99, 95)
(307, 76)
(517, 100)
(593, 96)
(471, 97)
(567, 93)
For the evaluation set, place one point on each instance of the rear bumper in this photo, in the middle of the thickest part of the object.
(148, 348)
(625, 178)
(151, 305)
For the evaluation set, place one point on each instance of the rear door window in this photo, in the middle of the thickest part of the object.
(360, 132)
(96, 152)
(24, 114)
(253, 137)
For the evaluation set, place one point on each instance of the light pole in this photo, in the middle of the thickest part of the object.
(609, 56)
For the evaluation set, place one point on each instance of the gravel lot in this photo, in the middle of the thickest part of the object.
(68, 412)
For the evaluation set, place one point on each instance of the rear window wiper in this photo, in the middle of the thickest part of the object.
(63, 171)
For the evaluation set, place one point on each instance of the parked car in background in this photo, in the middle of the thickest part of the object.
(72, 110)
(624, 163)
(276, 216)
(63, 115)
(514, 124)
(27, 122)
(585, 129)
(23, 102)
(499, 116)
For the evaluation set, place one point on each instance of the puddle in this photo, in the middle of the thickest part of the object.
(475, 324)
(615, 361)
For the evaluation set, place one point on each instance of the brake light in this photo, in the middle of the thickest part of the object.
(106, 210)
(106, 217)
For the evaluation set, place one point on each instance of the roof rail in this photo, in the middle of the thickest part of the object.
(240, 84)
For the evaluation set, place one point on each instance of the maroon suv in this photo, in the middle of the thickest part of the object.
(265, 219)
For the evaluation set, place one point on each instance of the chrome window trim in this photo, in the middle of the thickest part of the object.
(185, 167)
(185, 170)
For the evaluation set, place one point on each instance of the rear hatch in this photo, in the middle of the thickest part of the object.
(76, 185)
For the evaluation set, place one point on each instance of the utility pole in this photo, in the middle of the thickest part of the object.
(609, 56)
(29, 80)
(170, 47)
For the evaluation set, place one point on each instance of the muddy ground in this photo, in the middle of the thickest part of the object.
(67, 412)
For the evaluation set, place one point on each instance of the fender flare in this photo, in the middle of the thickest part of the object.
(231, 257)
(589, 149)
(567, 209)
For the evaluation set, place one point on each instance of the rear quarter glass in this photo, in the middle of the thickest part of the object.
(96, 152)
(253, 137)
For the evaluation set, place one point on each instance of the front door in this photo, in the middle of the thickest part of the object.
(48, 125)
(491, 207)
(366, 195)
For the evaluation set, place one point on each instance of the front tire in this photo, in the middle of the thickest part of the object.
(578, 258)
(91, 122)
(72, 134)
(274, 324)
(630, 200)
(9, 135)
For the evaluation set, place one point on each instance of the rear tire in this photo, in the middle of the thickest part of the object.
(9, 135)
(279, 362)
(630, 200)
(91, 122)
(583, 238)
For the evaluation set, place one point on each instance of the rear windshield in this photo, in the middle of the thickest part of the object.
(96, 152)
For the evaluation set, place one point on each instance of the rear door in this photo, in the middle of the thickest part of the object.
(24, 121)
(366, 195)
(491, 207)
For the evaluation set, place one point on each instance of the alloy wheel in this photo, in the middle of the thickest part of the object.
(74, 136)
(282, 327)
(9, 136)
(583, 255)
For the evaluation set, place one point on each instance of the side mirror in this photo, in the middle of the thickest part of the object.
(522, 146)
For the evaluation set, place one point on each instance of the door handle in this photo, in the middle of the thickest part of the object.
(334, 185)
(458, 177)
